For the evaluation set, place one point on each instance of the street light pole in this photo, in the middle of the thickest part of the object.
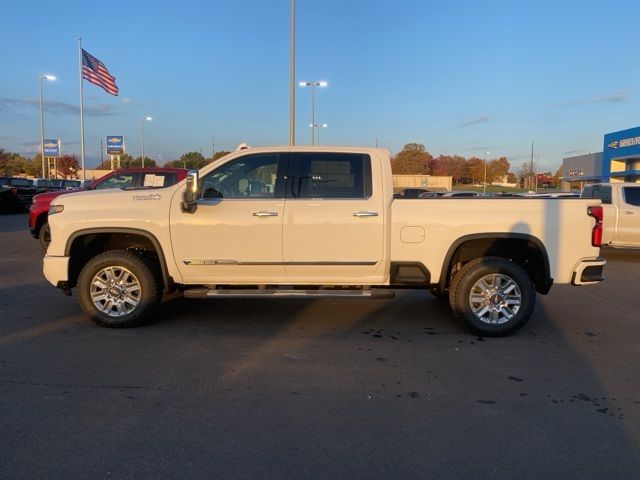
(43, 77)
(313, 86)
(142, 120)
(292, 74)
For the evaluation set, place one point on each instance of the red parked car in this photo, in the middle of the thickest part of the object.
(123, 178)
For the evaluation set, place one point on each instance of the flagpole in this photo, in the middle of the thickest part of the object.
(84, 175)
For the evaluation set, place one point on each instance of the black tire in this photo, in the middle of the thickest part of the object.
(44, 236)
(468, 279)
(128, 268)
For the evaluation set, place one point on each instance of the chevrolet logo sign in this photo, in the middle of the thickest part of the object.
(614, 144)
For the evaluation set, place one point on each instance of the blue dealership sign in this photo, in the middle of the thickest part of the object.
(115, 145)
(623, 149)
(51, 147)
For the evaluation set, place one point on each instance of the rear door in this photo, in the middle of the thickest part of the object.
(629, 220)
(333, 228)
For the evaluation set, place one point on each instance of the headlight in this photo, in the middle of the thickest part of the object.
(55, 209)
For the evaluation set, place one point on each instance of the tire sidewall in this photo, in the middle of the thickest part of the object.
(492, 266)
(44, 236)
(136, 265)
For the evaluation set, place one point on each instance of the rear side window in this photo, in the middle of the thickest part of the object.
(120, 180)
(603, 193)
(330, 175)
(20, 182)
(632, 196)
(587, 192)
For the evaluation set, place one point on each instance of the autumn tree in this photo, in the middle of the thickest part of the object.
(497, 169)
(412, 159)
(16, 164)
(190, 160)
(67, 166)
(4, 160)
(217, 155)
(475, 170)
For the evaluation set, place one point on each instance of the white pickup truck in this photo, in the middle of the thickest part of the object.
(621, 205)
(316, 221)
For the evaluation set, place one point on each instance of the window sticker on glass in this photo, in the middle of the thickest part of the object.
(149, 180)
(159, 181)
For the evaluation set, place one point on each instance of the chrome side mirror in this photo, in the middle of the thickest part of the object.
(191, 192)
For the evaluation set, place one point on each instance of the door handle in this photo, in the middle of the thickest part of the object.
(365, 214)
(627, 212)
(262, 213)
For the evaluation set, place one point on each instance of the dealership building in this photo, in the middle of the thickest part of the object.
(619, 161)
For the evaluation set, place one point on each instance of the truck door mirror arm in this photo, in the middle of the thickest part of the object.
(191, 192)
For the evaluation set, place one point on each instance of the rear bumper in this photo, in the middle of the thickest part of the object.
(588, 271)
(56, 269)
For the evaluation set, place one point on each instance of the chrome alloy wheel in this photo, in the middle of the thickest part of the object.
(495, 298)
(115, 291)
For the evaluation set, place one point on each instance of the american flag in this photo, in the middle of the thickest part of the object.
(95, 72)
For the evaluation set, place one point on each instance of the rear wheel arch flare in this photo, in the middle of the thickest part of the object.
(516, 246)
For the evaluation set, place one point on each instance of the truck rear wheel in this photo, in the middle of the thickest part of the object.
(118, 289)
(492, 296)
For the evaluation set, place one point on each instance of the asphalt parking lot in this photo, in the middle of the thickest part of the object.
(316, 388)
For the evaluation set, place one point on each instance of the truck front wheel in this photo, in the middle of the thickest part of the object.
(492, 296)
(118, 289)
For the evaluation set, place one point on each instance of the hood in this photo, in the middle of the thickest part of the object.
(48, 196)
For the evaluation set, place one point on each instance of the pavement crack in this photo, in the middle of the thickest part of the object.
(90, 387)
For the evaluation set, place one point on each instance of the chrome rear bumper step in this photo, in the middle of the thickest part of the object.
(287, 293)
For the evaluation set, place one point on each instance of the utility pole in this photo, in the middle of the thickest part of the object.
(101, 152)
(213, 147)
(531, 168)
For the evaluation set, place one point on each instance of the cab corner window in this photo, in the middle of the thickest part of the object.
(331, 175)
(248, 177)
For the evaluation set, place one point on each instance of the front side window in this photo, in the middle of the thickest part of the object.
(121, 180)
(632, 196)
(248, 177)
(331, 175)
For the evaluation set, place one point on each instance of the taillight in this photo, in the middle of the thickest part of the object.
(596, 233)
(14, 191)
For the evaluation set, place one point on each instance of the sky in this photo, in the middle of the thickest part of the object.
(460, 77)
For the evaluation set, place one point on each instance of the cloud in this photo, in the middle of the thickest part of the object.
(617, 97)
(126, 100)
(57, 108)
(475, 121)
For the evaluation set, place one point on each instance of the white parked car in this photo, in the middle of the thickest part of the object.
(621, 203)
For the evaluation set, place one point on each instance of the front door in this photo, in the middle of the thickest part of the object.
(235, 234)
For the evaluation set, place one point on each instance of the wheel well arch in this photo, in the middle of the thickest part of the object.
(526, 250)
(41, 219)
(86, 244)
